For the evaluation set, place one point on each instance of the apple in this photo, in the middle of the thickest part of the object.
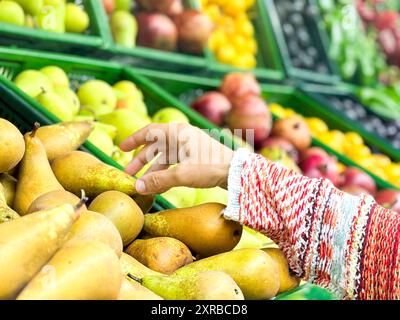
(33, 83)
(214, 106)
(126, 121)
(109, 6)
(317, 166)
(56, 75)
(156, 5)
(76, 19)
(216, 194)
(169, 115)
(250, 112)
(102, 140)
(295, 130)
(282, 144)
(127, 88)
(390, 199)
(313, 151)
(355, 190)
(356, 177)
(130, 97)
(194, 30)
(156, 31)
(181, 197)
(70, 98)
(97, 96)
(52, 102)
(236, 85)
(386, 20)
(11, 12)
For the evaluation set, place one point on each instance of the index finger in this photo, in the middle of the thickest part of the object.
(139, 137)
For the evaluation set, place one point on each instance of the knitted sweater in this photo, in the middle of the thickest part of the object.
(346, 244)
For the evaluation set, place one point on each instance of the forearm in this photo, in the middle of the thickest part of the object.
(327, 235)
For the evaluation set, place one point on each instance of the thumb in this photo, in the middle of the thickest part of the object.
(157, 182)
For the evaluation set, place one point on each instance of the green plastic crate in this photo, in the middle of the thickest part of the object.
(16, 36)
(187, 88)
(319, 38)
(306, 292)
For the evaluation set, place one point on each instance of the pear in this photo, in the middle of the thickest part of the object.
(12, 146)
(98, 96)
(201, 228)
(95, 226)
(101, 139)
(208, 285)
(122, 211)
(26, 244)
(162, 254)
(145, 202)
(124, 28)
(70, 98)
(80, 270)
(56, 105)
(9, 185)
(52, 16)
(32, 7)
(130, 266)
(131, 290)
(57, 76)
(60, 139)
(52, 200)
(287, 280)
(79, 170)
(76, 19)
(6, 213)
(12, 13)
(255, 272)
(33, 83)
(35, 175)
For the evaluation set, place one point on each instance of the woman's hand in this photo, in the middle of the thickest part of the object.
(201, 161)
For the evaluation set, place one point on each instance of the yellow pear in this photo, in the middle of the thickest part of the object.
(60, 139)
(122, 211)
(80, 170)
(287, 280)
(6, 213)
(255, 272)
(162, 254)
(52, 200)
(80, 270)
(130, 266)
(35, 175)
(95, 226)
(201, 228)
(131, 290)
(207, 285)
(26, 244)
(12, 146)
(9, 184)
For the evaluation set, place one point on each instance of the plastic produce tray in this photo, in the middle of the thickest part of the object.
(346, 109)
(187, 88)
(302, 41)
(16, 36)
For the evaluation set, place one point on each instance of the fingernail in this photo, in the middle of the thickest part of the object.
(140, 186)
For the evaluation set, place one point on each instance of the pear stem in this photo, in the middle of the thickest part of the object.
(36, 126)
(82, 202)
(135, 278)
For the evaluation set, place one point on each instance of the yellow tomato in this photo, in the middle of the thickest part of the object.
(393, 172)
(246, 61)
(249, 4)
(252, 46)
(214, 12)
(359, 152)
(245, 27)
(234, 7)
(334, 139)
(381, 160)
(226, 54)
(240, 43)
(218, 38)
(316, 125)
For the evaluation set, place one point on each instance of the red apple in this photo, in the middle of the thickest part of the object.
(366, 12)
(214, 106)
(155, 5)
(295, 130)
(355, 190)
(175, 8)
(194, 30)
(318, 166)
(236, 85)
(109, 6)
(313, 151)
(156, 31)
(283, 144)
(356, 177)
(386, 20)
(250, 112)
(390, 199)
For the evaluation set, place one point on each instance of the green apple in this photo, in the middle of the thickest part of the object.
(11, 12)
(252, 239)
(111, 130)
(216, 194)
(181, 197)
(70, 98)
(126, 121)
(124, 5)
(76, 19)
(98, 96)
(102, 140)
(32, 7)
(33, 83)
(121, 157)
(56, 105)
(56, 75)
(168, 115)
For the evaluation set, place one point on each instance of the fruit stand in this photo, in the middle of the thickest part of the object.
(316, 81)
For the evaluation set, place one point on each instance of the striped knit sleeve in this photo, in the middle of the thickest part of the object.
(346, 244)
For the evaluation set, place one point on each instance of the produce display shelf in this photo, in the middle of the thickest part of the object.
(315, 43)
(24, 37)
(187, 88)
(324, 96)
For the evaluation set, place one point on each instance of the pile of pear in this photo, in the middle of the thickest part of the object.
(74, 228)
(50, 15)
